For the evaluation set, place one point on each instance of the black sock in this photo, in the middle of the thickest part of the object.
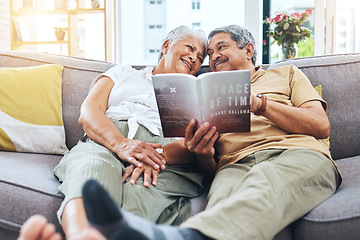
(104, 215)
(116, 224)
(190, 234)
(99, 206)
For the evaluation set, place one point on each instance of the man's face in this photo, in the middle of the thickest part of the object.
(225, 55)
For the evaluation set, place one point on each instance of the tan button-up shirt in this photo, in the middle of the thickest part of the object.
(286, 85)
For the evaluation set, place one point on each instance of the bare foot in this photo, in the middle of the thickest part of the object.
(36, 228)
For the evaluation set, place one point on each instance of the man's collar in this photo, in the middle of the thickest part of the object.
(259, 72)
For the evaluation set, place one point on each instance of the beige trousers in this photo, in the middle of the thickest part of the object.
(261, 194)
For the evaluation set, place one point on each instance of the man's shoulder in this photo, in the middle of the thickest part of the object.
(283, 68)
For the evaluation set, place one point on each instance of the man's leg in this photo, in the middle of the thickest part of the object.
(280, 188)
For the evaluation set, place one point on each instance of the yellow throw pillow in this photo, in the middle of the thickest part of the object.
(30, 110)
(318, 88)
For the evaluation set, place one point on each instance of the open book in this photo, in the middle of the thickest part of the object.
(220, 98)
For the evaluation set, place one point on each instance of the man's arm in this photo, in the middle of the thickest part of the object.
(309, 118)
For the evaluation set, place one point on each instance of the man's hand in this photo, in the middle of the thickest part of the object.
(135, 172)
(201, 143)
(138, 152)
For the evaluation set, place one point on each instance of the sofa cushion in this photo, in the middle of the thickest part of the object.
(30, 111)
(339, 215)
(77, 76)
(28, 187)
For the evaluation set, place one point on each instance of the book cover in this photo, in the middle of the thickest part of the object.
(220, 98)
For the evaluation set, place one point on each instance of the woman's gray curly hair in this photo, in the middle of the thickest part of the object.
(183, 32)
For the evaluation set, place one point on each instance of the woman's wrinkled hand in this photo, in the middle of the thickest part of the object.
(135, 172)
(139, 153)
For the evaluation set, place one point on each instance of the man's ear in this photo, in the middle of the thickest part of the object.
(165, 47)
(249, 50)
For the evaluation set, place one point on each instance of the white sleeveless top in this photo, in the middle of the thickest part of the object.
(132, 98)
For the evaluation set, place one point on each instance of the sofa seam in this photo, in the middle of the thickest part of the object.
(9, 225)
(332, 219)
(31, 188)
(329, 65)
(343, 61)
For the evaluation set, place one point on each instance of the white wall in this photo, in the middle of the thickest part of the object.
(5, 25)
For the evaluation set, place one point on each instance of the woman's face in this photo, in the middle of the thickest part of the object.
(183, 56)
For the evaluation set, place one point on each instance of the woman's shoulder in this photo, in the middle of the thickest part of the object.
(121, 69)
(120, 72)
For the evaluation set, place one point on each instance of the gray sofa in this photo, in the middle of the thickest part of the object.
(28, 187)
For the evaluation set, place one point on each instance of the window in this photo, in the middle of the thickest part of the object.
(195, 4)
(141, 27)
(346, 32)
(196, 25)
(305, 48)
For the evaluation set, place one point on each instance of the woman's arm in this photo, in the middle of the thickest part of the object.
(100, 129)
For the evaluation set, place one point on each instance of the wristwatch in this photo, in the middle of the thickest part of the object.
(262, 107)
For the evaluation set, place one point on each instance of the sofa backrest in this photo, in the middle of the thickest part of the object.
(77, 77)
(339, 76)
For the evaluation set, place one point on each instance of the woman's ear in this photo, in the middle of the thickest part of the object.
(165, 47)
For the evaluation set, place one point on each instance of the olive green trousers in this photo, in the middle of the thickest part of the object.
(166, 203)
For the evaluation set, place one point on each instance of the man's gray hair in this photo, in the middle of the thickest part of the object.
(239, 34)
(183, 32)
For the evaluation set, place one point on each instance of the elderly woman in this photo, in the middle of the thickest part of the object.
(122, 135)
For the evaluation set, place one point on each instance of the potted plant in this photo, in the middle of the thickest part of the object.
(95, 3)
(60, 33)
(287, 30)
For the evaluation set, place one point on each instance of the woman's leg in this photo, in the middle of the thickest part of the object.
(37, 227)
(87, 160)
(74, 219)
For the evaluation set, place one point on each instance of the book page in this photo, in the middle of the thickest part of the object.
(226, 98)
(177, 100)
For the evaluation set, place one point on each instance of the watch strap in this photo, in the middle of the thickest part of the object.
(262, 107)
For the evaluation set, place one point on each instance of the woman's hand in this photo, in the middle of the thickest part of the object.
(135, 173)
(139, 153)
